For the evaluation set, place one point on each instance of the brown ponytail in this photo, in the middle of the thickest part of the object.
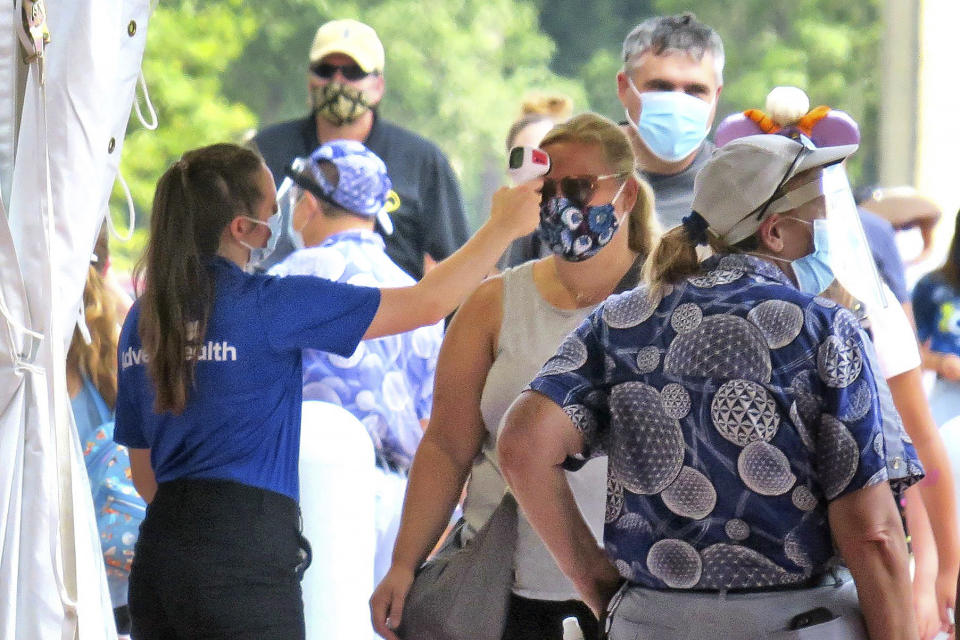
(644, 228)
(195, 200)
(675, 257)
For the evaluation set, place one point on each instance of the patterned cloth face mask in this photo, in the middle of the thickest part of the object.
(339, 103)
(568, 227)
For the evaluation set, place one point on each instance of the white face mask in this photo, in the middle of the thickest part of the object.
(288, 200)
(258, 255)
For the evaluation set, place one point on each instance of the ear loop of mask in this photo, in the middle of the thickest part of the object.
(254, 220)
(626, 111)
(806, 222)
(790, 201)
(617, 195)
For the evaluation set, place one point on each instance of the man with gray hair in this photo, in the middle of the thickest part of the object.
(669, 86)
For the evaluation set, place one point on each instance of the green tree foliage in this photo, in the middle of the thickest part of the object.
(588, 36)
(456, 72)
(829, 49)
(189, 46)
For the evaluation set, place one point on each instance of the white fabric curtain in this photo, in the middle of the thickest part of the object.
(59, 152)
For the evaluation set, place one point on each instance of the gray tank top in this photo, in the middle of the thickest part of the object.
(530, 333)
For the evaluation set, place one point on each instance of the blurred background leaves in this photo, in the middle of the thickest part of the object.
(457, 71)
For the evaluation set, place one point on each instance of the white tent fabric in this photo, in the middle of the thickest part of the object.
(63, 145)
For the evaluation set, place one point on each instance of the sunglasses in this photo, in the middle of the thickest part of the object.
(351, 72)
(579, 189)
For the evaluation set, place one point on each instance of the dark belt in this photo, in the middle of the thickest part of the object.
(831, 577)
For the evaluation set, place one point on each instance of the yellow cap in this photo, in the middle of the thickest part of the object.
(352, 38)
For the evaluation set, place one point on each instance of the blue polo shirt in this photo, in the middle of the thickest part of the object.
(242, 420)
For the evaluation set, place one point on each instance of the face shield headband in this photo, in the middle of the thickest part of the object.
(296, 173)
(839, 237)
(807, 147)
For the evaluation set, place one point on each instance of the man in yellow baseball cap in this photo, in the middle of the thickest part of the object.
(346, 84)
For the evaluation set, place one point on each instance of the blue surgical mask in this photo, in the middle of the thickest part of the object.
(296, 235)
(672, 124)
(813, 271)
(258, 255)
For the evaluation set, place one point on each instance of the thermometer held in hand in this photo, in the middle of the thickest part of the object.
(526, 163)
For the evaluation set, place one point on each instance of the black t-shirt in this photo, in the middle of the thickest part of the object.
(429, 217)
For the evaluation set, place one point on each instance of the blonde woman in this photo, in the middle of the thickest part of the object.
(744, 427)
(596, 217)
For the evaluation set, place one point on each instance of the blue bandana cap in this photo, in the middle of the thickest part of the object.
(361, 185)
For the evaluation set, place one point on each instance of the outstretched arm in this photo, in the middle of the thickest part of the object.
(514, 212)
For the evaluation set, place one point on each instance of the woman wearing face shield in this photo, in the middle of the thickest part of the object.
(742, 420)
(596, 217)
(843, 271)
(209, 391)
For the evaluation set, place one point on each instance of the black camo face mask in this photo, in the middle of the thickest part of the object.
(339, 103)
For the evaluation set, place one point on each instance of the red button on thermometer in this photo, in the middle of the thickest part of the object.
(526, 163)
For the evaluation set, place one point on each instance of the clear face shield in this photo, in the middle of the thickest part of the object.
(839, 239)
(288, 197)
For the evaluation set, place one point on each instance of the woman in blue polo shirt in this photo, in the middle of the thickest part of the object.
(209, 391)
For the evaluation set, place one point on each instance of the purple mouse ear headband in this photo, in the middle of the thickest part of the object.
(788, 113)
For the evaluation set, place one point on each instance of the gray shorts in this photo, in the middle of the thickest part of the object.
(636, 613)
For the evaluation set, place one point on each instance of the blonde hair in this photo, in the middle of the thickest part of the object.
(556, 106)
(591, 128)
(540, 107)
(98, 360)
(675, 256)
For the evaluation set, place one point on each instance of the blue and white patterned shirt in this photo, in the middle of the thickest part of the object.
(387, 383)
(733, 410)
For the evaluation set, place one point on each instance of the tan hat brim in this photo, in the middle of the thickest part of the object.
(366, 62)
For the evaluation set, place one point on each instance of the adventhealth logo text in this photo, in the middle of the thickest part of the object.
(213, 351)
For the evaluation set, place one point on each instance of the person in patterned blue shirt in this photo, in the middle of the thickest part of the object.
(745, 431)
(387, 383)
(936, 307)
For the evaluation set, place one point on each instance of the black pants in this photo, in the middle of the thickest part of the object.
(217, 559)
(543, 619)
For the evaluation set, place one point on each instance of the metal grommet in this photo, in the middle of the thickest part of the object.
(132, 28)
(111, 145)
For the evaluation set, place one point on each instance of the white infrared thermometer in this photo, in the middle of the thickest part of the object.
(526, 163)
